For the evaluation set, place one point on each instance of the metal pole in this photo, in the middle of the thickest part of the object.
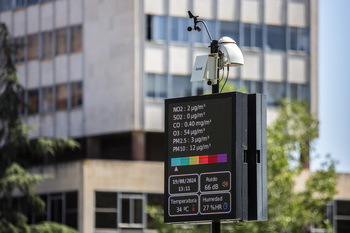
(214, 48)
(215, 227)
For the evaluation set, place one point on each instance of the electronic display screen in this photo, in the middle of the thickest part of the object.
(199, 184)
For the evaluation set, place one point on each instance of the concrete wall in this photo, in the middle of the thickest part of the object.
(142, 177)
(123, 176)
(88, 176)
(110, 64)
(109, 54)
(342, 184)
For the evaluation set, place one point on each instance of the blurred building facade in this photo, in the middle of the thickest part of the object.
(99, 71)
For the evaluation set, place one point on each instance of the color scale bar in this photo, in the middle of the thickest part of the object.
(201, 159)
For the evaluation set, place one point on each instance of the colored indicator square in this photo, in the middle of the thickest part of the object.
(175, 162)
(185, 161)
(194, 160)
(222, 158)
(212, 158)
(203, 159)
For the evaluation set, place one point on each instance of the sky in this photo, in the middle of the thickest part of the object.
(334, 85)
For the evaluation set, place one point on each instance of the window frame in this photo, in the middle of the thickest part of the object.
(76, 94)
(33, 47)
(156, 27)
(64, 98)
(273, 96)
(159, 86)
(132, 197)
(253, 31)
(175, 93)
(61, 43)
(299, 38)
(47, 45)
(276, 30)
(47, 102)
(119, 209)
(76, 38)
(230, 29)
(20, 49)
(33, 97)
(106, 210)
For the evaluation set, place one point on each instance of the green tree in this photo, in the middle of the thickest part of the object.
(289, 140)
(228, 87)
(16, 149)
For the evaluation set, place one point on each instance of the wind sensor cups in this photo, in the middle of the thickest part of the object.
(232, 55)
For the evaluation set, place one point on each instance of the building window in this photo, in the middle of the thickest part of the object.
(108, 206)
(76, 94)
(71, 209)
(197, 88)
(42, 216)
(230, 29)
(33, 101)
(61, 44)
(156, 86)
(299, 39)
(181, 86)
(60, 207)
(47, 44)
(47, 101)
(156, 27)
(18, 3)
(202, 36)
(252, 35)
(61, 41)
(55, 202)
(275, 92)
(294, 91)
(19, 49)
(300, 91)
(61, 96)
(76, 39)
(178, 29)
(276, 37)
(132, 211)
(32, 2)
(5, 5)
(33, 47)
(253, 86)
(106, 210)
(63, 208)
(305, 92)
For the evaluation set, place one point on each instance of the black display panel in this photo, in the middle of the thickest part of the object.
(205, 171)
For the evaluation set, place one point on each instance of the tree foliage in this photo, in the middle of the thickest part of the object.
(289, 141)
(16, 149)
